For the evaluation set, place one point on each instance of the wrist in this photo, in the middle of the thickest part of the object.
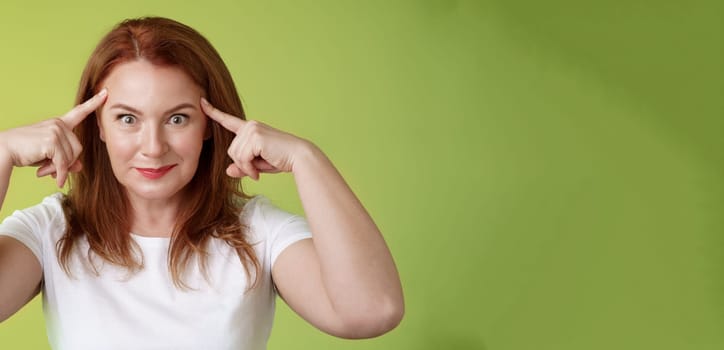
(308, 154)
(6, 158)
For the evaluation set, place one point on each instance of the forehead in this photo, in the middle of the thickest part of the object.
(146, 85)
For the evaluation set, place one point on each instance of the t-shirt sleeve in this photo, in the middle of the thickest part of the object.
(28, 225)
(282, 228)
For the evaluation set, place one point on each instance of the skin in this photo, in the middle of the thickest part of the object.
(343, 280)
(52, 145)
(152, 120)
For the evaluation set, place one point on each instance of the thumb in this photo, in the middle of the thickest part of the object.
(234, 171)
(264, 166)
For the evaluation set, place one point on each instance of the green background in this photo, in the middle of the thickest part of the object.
(548, 175)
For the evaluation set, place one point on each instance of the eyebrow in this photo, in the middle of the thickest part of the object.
(136, 111)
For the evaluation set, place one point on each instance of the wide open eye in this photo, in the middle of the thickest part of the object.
(127, 119)
(178, 119)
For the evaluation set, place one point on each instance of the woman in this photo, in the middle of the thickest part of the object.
(156, 245)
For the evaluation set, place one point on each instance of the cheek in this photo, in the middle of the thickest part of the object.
(119, 145)
(188, 144)
(192, 139)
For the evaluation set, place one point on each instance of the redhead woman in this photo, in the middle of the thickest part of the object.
(156, 245)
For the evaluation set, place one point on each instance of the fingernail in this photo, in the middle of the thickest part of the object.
(203, 100)
(103, 92)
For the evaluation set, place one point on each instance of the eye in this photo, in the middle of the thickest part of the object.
(178, 119)
(127, 119)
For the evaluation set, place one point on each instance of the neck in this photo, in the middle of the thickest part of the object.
(154, 217)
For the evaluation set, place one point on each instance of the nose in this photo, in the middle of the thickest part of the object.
(153, 142)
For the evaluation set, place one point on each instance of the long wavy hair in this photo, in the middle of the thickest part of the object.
(96, 206)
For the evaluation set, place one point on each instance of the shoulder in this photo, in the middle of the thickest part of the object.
(37, 226)
(261, 214)
(49, 210)
(265, 222)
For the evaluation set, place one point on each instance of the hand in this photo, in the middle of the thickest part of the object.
(257, 147)
(51, 144)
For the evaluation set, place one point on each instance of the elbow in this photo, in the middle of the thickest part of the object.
(392, 318)
(4, 315)
(373, 321)
(4, 308)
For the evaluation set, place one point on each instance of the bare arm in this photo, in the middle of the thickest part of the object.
(6, 169)
(344, 281)
(51, 145)
(20, 271)
(20, 276)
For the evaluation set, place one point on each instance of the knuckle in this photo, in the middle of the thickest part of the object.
(61, 163)
(59, 123)
(55, 124)
(57, 128)
(255, 128)
(253, 124)
(75, 144)
(53, 138)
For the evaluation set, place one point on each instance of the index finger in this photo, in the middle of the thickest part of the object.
(81, 111)
(228, 121)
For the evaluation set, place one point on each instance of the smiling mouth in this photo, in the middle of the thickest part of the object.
(155, 173)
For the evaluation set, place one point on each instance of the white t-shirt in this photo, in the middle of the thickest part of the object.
(145, 310)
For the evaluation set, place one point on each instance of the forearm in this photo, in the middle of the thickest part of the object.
(6, 169)
(357, 268)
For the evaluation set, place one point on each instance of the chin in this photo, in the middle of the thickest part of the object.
(154, 191)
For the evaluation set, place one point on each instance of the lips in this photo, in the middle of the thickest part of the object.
(155, 173)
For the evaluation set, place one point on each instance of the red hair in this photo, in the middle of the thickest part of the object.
(96, 206)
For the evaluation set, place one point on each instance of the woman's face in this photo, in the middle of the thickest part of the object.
(153, 128)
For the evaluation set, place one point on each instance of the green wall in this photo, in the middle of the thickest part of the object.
(548, 175)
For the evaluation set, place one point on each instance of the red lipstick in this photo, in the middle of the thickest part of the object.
(155, 173)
